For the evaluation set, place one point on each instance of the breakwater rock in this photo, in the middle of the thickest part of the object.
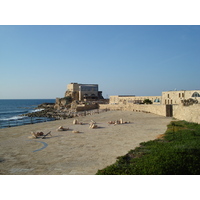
(62, 114)
(49, 111)
(46, 105)
(45, 110)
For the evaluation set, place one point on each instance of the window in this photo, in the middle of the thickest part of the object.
(157, 100)
(168, 96)
(195, 94)
(179, 95)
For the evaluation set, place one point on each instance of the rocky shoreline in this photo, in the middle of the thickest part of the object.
(48, 110)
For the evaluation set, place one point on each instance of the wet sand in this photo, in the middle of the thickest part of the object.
(81, 153)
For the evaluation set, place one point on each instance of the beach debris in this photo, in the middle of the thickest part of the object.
(40, 133)
(49, 133)
(36, 135)
(33, 135)
(75, 121)
(93, 124)
(92, 121)
(61, 128)
(75, 131)
(120, 121)
(117, 122)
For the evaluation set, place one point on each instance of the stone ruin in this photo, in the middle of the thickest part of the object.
(73, 94)
(63, 103)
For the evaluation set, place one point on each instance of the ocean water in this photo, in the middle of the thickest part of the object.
(12, 109)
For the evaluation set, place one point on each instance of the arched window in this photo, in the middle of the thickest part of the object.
(157, 100)
(195, 94)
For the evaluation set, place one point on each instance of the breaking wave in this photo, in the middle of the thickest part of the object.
(13, 118)
(36, 110)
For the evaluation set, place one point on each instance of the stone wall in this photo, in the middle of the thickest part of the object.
(86, 107)
(188, 113)
(155, 109)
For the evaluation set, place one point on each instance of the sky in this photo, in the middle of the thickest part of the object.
(142, 60)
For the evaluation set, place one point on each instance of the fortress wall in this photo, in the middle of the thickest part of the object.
(111, 107)
(155, 109)
(188, 113)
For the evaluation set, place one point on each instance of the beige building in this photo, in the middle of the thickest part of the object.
(177, 97)
(167, 98)
(126, 99)
(182, 105)
(83, 92)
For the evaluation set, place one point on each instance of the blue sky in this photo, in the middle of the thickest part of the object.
(39, 61)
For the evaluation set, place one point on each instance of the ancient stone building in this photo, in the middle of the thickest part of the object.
(178, 97)
(167, 98)
(83, 92)
(182, 105)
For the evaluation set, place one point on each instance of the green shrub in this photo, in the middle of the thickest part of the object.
(147, 101)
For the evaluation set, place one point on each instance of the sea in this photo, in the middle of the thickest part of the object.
(11, 111)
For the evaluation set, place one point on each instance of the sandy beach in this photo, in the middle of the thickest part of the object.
(69, 153)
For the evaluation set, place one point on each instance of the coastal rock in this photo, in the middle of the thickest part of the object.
(62, 103)
(46, 105)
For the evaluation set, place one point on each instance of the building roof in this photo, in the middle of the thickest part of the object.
(126, 95)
